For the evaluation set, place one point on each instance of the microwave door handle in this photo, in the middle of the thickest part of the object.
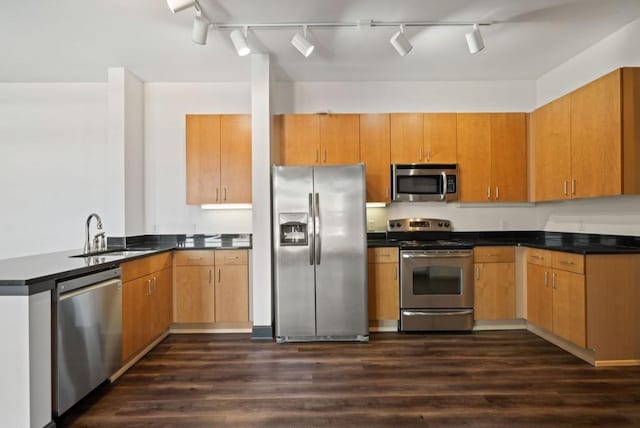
(444, 186)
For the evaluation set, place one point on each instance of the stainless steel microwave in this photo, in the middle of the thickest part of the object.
(424, 182)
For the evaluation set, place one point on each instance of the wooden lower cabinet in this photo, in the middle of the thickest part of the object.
(539, 297)
(569, 306)
(146, 302)
(384, 280)
(494, 283)
(211, 286)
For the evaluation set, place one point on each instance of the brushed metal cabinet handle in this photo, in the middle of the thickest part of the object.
(317, 156)
(429, 155)
(217, 194)
(395, 273)
(488, 192)
(553, 280)
(477, 273)
(566, 185)
(225, 193)
(324, 156)
(573, 186)
(219, 275)
(209, 276)
(420, 154)
(546, 278)
(497, 192)
(567, 262)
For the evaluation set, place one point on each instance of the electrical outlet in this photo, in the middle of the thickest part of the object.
(371, 225)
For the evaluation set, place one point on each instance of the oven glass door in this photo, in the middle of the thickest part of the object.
(436, 281)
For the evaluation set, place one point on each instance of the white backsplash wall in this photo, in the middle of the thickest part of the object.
(463, 217)
(166, 105)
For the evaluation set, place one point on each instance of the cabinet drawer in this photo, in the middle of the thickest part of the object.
(538, 257)
(141, 267)
(231, 257)
(494, 254)
(383, 255)
(567, 261)
(194, 258)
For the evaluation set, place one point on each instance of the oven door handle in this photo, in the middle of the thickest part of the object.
(428, 313)
(436, 256)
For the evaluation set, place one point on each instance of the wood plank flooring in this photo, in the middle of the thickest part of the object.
(484, 379)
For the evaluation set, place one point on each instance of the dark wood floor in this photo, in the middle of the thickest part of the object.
(485, 379)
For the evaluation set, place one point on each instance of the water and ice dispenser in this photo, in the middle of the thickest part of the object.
(293, 228)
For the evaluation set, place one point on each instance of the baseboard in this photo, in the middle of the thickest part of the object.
(220, 327)
(262, 332)
(584, 354)
(138, 357)
(517, 324)
(617, 363)
(378, 326)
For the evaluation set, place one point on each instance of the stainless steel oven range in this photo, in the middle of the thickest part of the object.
(436, 276)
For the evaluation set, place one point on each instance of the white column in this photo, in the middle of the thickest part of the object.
(261, 194)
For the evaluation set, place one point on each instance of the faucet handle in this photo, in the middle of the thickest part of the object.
(99, 242)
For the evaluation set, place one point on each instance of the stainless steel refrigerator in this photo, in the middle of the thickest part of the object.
(320, 253)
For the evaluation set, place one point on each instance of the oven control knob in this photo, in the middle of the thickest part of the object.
(446, 224)
(440, 224)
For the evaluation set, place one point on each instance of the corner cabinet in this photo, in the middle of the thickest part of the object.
(211, 286)
(320, 139)
(492, 157)
(589, 301)
(591, 129)
(384, 281)
(146, 302)
(218, 159)
(494, 283)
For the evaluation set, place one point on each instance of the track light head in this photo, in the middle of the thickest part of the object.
(200, 29)
(240, 42)
(302, 43)
(474, 40)
(179, 5)
(400, 42)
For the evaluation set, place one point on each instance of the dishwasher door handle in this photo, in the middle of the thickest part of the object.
(90, 288)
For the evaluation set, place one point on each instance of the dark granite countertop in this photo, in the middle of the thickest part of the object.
(556, 241)
(33, 274)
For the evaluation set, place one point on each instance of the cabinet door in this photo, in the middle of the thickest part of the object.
(407, 137)
(300, 139)
(509, 157)
(194, 295)
(135, 316)
(539, 296)
(384, 294)
(340, 139)
(235, 152)
(596, 133)
(375, 152)
(569, 306)
(494, 291)
(440, 137)
(474, 157)
(161, 302)
(232, 293)
(203, 159)
(551, 148)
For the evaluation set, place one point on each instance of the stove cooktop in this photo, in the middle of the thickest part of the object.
(434, 245)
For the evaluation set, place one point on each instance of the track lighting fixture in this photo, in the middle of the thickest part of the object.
(474, 40)
(179, 5)
(200, 29)
(240, 42)
(302, 43)
(400, 42)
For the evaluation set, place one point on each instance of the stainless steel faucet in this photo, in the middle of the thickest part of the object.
(99, 241)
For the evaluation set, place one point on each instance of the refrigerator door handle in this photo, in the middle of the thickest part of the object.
(318, 239)
(310, 231)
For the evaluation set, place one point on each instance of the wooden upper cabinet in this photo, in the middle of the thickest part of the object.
(407, 138)
(235, 159)
(375, 152)
(596, 132)
(320, 139)
(440, 137)
(551, 150)
(300, 139)
(339, 139)
(509, 157)
(203, 158)
(474, 157)
(218, 153)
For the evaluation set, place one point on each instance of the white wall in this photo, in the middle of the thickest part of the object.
(55, 167)
(166, 105)
(386, 97)
(134, 155)
(619, 49)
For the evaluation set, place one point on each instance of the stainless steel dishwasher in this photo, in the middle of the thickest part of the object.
(88, 336)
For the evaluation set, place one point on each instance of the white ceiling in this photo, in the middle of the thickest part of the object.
(77, 40)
